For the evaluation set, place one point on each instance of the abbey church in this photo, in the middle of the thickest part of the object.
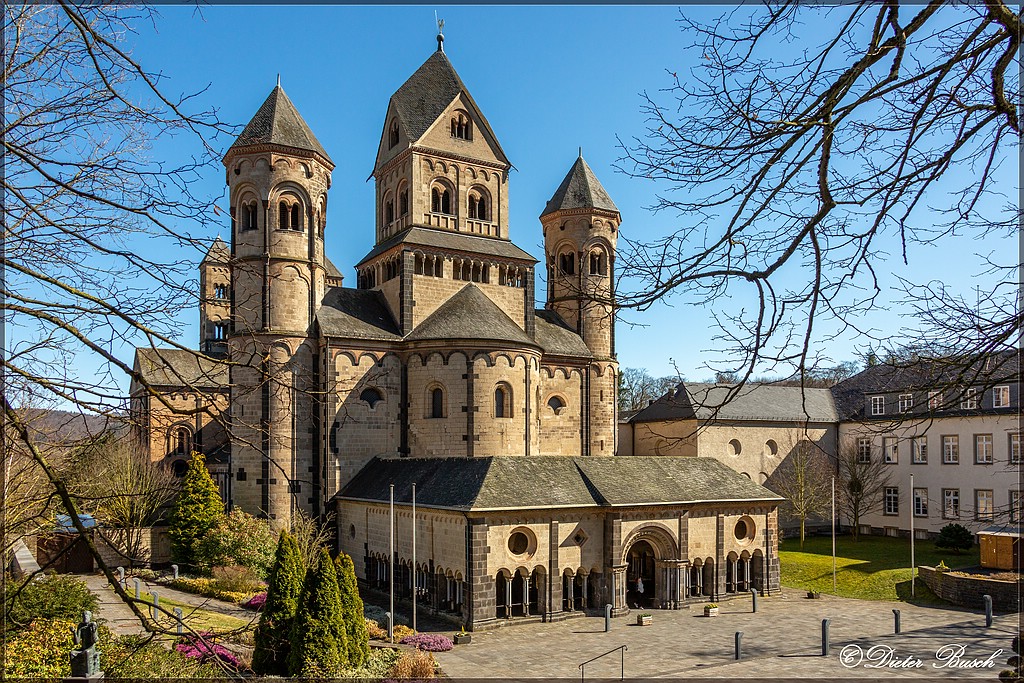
(441, 370)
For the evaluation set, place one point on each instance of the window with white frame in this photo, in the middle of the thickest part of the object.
(920, 502)
(892, 500)
(970, 399)
(864, 450)
(1016, 507)
(919, 450)
(934, 400)
(906, 402)
(878, 405)
(890, 449)
(983, 449)
(1015, 448)
(951, 503)
(951, 449)
(1001, 397)
(983, 504)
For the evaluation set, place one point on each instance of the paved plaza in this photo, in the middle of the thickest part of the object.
(782, 640)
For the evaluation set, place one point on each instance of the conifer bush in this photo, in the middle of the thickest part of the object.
(955, 537)
(197, 509)
(272, 644)
(319, 643)
(357, 635)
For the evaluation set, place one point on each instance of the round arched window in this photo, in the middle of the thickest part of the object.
(734, 447)
(771, 448)
(744, 530)
(556, 404)
(518, 543)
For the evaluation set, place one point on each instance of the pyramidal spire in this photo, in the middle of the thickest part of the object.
(278, 122)
(580, 189)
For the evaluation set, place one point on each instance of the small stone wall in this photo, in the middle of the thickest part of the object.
(155, 547)
(967, 591)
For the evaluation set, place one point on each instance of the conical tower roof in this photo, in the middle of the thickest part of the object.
(278, 122)
(580, 190)
(218, 252)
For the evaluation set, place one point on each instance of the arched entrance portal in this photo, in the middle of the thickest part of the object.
(640, 575)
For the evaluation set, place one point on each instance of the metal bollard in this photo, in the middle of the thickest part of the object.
(156, 606)
(391, 627)
(120, 574)
(988, 610)
(174, 568)
(607, 618)
(824, 637)
(138, 589)
(896, 621)
(178, 615)
(739, 641)
(753, 599)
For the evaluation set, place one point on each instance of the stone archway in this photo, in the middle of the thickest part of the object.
(649, 556)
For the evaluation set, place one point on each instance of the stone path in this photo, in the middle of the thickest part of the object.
(782, 640)
(121, 620)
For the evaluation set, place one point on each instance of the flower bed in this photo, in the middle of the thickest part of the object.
(256, 602)
(202, 649)
(431, 642)
(208, 588)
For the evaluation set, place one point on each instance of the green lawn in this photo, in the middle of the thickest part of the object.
(873, 568)
(199, 619)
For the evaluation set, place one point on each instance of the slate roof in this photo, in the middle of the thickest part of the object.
(524, 483)
(180, 367)
(278, 122)
(427, 93)
(470, 314)
(218, 252)
(332, 270)
(451, 241)
(580, 190)
(760, 402)
(923, 374)
(556, 338)
(356, 314)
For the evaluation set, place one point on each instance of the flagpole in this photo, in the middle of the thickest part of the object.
(834, 592)
(391, 569)
(415, 571)
(912, 502)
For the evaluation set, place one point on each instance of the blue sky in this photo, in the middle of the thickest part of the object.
(549, 79)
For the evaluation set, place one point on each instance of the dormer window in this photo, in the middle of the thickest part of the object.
(462, 128)
(393, 134)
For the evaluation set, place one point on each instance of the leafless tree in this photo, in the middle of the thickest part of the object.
(128, 492)
(804, 478)
(861, 483)
(82, 191)
(804, 140)
(637, 388)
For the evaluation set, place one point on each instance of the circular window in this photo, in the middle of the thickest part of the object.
(518, 543)
(179, 467)
(735, 447)
(744, 530)
(771, 448)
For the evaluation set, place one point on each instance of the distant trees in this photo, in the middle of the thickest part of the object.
(196, 511)
(637, 388)
(863, 477)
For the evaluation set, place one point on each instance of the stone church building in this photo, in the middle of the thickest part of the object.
(441, 368)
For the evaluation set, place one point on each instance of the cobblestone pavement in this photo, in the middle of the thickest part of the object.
(783, 640)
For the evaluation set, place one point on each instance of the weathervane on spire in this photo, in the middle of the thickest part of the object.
(440, 32)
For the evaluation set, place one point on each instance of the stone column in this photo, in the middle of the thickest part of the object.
(619, 607)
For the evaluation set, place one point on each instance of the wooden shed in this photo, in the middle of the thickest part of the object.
(1000, 547)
